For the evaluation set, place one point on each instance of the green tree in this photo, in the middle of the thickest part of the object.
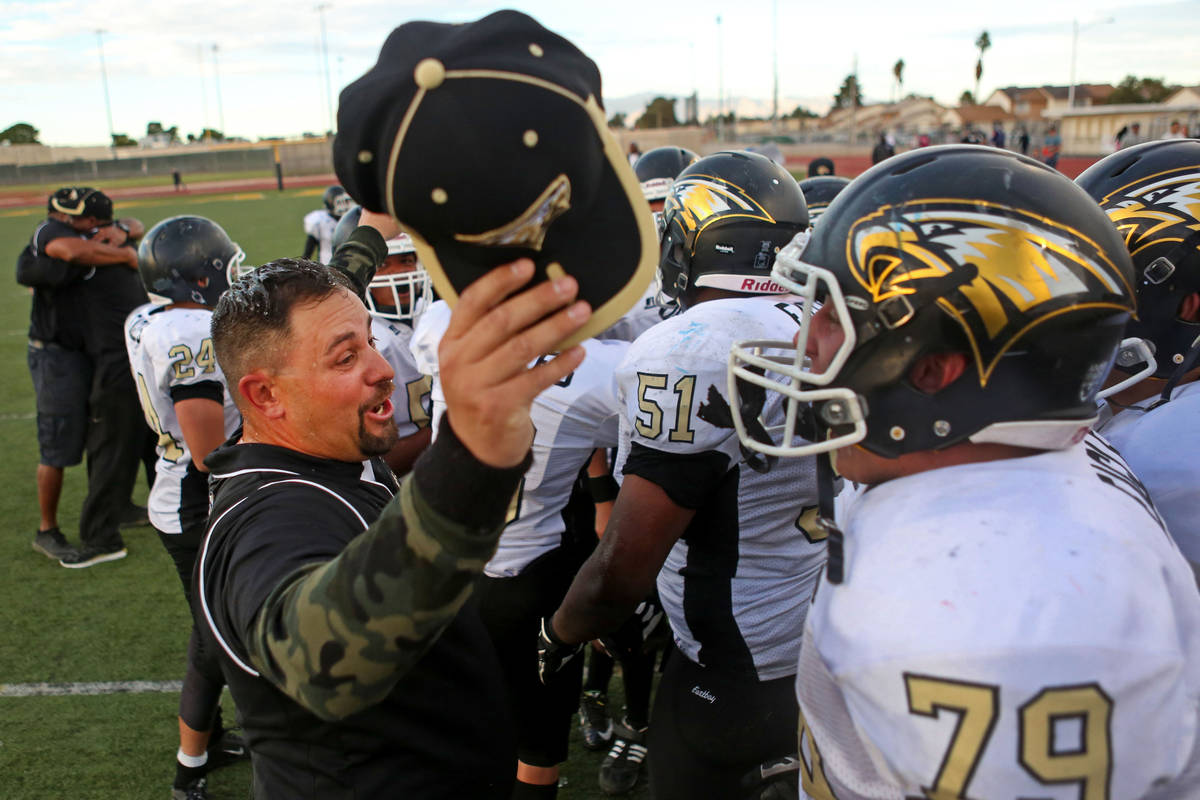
(966, 98)
(800, 112)
(898, 74)
(121, 140)
(1131, 90)
(618, 120)
(155, 128)
(850, 94)
(659, 113)
(21, 133)
(983, 43)
(211, 135)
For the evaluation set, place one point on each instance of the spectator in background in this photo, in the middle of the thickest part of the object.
(923, 140)
(1130, 136)
(634, 153)
(1176, 131)
(882, 150)
(57, 264)
(820, 166)
(1051, 147)
(1023, 140)
(998, 137)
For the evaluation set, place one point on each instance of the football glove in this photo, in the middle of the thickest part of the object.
(553, 653)
(644, 632)
(776, 779)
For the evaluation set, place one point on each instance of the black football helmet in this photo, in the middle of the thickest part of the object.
(951, 249)
(657, 170)
(337, 202)
(726, 217)
(188, 260)
(819, 193)
(1151, 192)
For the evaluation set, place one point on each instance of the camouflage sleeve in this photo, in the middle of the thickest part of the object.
(360, 256)
(338, 636)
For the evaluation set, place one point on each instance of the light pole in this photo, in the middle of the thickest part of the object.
(320, 9)
(204, 136)
(720, 82)
(217, 81)
(1075, 26)
(775, 66)
(107, 103)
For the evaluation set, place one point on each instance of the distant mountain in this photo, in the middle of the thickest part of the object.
(633, 105)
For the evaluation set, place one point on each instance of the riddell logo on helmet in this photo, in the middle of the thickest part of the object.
(756, 285)
(741, 283)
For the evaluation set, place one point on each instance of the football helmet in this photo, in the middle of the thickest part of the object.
(188, 259)
(401, 289)
(337, 202)
(726, 217)
(819, 193)
(1151, 192)
(657, 169)
(946, 249)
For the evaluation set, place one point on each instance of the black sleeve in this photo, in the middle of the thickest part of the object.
(689, 479)
(310, 246)
(210, 390)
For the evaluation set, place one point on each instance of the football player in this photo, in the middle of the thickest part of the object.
(1151, 192)
(718, 526)
(538, 551)
(397, 295)
(819, 193)
(1005, 615)
(186, 263)
(320, 223)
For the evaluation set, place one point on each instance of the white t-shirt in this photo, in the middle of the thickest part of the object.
(570, 419)
(736, 585)
(171, 357)
(1022, 628)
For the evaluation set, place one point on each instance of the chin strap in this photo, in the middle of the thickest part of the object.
(1189, 361)
(835, 565)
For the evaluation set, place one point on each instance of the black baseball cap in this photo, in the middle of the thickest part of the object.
(487, 141)
(81, 201)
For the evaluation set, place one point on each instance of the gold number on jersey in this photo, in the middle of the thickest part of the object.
(206, 359)
(807, 524)
(170, 445)
(812, 771)
(977, 706)
(1087, 761)
(182, 358)
(514, 505)
(685, 388)
(181, 362)
(418, 392)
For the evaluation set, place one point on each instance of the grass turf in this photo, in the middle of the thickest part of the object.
(123, 620)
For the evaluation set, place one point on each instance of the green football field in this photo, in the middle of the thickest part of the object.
(123, 622)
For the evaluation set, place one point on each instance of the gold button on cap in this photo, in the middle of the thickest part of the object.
(429, 73)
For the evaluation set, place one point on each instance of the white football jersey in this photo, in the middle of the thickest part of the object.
(410, 398)
(1163, 447)
(736, 585)
(570, 419)
(1022, 628)
(170, 350)
(320, 224)
(641, 318)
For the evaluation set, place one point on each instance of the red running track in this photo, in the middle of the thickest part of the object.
(18, 200)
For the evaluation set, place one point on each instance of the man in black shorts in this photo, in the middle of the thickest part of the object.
(58, 263)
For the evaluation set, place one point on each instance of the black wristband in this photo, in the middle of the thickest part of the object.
(603, 489)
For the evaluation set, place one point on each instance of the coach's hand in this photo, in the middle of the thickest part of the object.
(496, 331)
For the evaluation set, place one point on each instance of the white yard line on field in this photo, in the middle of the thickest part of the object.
(91, 688)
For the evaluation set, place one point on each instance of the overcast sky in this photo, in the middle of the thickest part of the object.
(270, 67)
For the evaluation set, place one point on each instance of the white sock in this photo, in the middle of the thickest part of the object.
(191, 761)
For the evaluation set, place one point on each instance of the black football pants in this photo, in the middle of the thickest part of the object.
(116, 439)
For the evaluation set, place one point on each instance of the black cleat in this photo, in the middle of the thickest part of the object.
(52, 544)
(594, 723)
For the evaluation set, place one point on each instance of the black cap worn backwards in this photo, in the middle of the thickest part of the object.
(487, 142)
(82, 201)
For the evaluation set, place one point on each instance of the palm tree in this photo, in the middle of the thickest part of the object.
(898, 72)
(983, 43)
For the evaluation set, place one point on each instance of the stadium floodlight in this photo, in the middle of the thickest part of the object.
(1075, 28)
(321, 8)
(107, 103)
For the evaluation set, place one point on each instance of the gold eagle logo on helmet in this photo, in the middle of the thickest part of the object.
(996, 270)
(700, 200)
(1156, 209)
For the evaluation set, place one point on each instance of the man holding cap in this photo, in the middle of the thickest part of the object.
(341, 601)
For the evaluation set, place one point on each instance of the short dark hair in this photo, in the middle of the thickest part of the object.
(253, 317)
